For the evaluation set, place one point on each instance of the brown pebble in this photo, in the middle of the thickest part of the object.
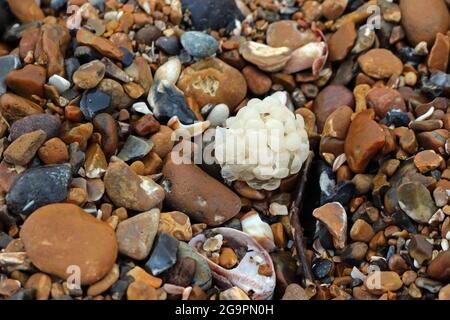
(53, 151)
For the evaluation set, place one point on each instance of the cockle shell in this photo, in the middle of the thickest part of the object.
(245, 275)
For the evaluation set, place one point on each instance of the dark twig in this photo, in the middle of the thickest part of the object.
(297, 229)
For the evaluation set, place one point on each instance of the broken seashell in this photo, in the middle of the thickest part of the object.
(265, 57)
(313, 56)
(260, 231)
(187, 131)
(245, 275)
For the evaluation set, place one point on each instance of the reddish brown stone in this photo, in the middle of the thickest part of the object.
(341, 42)
(334, 217)
(190, 190)
(102, 45)
(51, 48)
(286, 33)
(28, 41)
(380, 64)
(26, 10)
(382, 100)
(146, 125)
(8, 176)
(423, 19)
(439, 267)
(27, 81)
(364, 140)
(15, 107)
(58, 236)
(427, 160)
(328, 100)
(258, 82)
(438, 58)
(106, 125)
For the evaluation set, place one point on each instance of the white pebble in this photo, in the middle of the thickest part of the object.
(218, 115)
(169, 71)
(59, 83)
(141, 107)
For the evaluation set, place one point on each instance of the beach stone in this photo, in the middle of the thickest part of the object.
(89, 75)
(127, 189)
(135, 235)
(423, 19)
(140, 71)
(8, 176)
(135, 148)
(27, 81)
(54, 151)
(439, 267)
(361, 231)
(337, 124)
(364, 140)
(60, 83)
(176, 224)
(334, 217)
(202, 275)
(286, 33)
(148, 34)
(27, 194)
(140, 290)
(380, 64)
(419, 248)
(51, 48)
(15, 107)
(169, 45)
(169, 71)
(416, 201)
(218, 115)
(75, 237)
(8, 63)
(438, 57)
(210, 14)
(190, 190)
(342, 41)
(102, 45)
(145, 125)
(164, 255)
(23, 149)
(167, 101)
(354, 253)
(105, 124)
(213, 81)
(104, 284)
(294, 292)
(26, 10)
(41, 283)
(328, 100)
(444, 293)
(427, 160)
(198, 44)
(332, 9)
(383, 100)
(162, 141)
(93, 102)
(258, 82)
(183, 272)
(379, 282)
(95, 162)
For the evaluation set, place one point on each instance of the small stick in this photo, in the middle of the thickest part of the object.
(297, 229)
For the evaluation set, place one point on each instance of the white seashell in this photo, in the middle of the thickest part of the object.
(245, 274)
